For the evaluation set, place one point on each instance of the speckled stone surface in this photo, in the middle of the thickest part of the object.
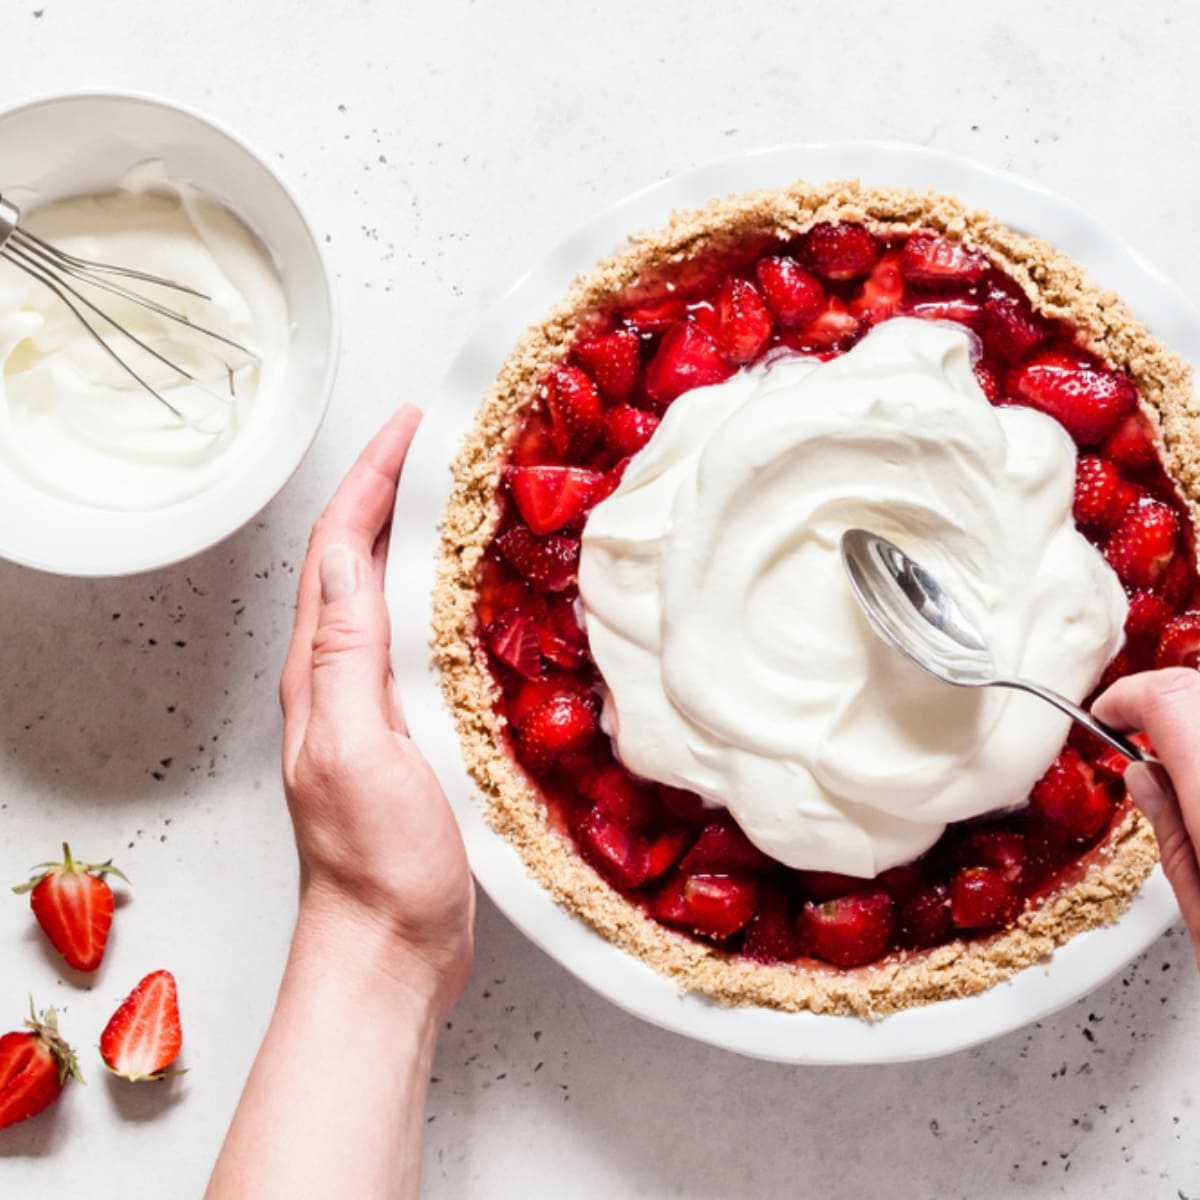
(440, 148)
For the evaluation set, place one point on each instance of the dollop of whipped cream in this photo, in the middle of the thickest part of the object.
(72, 422)
(738, 663)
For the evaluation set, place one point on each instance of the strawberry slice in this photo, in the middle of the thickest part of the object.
(667, 848)
(1142, 546)
(552, 498)
(613, 361)
(983, 898)
(614, 793)
(573, 405)
(35, 1065)
(143, 1037)
(714, 906)
(1088, 399)
(834, 329)
(1009, 327)
(1068, 798)
(1133, 444)
(655, 316)
(513, 639)
(794, 296)
(744, 321)
(849, 931)
(924, 918)
(771, 934)
(619, 856)
(841, 251)
(550, 564)
(74, 906)
(561, 725)
(1180, 642)
(929, 260)
(723, 849)
(687, 358)
(559, 635)
(1148, 614)
(535, 692)
(628, 429)
(882, 293)
(1102, 494)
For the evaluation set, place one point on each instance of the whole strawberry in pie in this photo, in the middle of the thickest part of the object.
(717, 294)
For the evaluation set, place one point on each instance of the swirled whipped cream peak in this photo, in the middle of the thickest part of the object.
(736, 660)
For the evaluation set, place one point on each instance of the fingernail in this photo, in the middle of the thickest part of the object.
(1148, 788)
(339, 573)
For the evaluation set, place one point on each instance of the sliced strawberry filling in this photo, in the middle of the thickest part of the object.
(684, 862)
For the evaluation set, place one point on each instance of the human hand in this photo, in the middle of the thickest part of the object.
(1166, 705)
(382, 862)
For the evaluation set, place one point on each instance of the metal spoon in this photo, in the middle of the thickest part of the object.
(908, 608)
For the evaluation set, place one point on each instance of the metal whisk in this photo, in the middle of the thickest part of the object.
(62, 273)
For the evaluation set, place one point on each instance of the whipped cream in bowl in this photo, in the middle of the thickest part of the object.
(106, 480)
(738, 664)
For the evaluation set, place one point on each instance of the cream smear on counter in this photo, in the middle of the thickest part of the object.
(76, 425)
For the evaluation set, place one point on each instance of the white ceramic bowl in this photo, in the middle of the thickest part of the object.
(69, 144)
(1077, 968)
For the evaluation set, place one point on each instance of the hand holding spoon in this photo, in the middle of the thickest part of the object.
(908, 608)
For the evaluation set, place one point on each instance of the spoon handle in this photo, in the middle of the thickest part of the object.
(1117, 741)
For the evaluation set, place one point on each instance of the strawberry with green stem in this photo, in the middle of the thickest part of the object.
(35, 1065)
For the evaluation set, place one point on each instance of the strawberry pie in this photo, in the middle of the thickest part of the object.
(664, 689)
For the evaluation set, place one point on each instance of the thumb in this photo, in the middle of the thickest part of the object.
(350, 648)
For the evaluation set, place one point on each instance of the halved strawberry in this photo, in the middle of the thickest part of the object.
(1132, 443)
(655, 315)
(882, 293)
(685, 805)
(827, 885)
(900, 882)
(616, 794)
(143, 1037)
(533, 445)
(930, 260)
(687, 358)
(924, 918)
(711, 905)
(841, 250)
(849, 931)
(613, 360)
(1003, 849)
(1179, 645)
(723, 849)
(1112, 764)
(1087, 398)
(628, 429)
(744, 321)
(1143, 543)
(74, 905)
(1102, 494)
(552, 498)
(1068, 798)
(667, 847)
(535, 692)
(1118, 666)
(35, 1065)
(617, 854)
(512, 638)
(771, 934)
(983, 898)
(574, 408)
(834, 329)
(1009, 327)
(550, 564)
(560, 637)
(961, 310)
(561, 725)
(1178, 583)
(1147, 615)
(794, 296)
(988, 379)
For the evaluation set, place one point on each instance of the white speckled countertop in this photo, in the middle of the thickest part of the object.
(441, 147)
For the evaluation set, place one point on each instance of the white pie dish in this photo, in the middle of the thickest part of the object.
(1076, 968)
(65, 145)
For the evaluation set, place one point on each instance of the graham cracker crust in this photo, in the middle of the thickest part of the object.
(1057, 287)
